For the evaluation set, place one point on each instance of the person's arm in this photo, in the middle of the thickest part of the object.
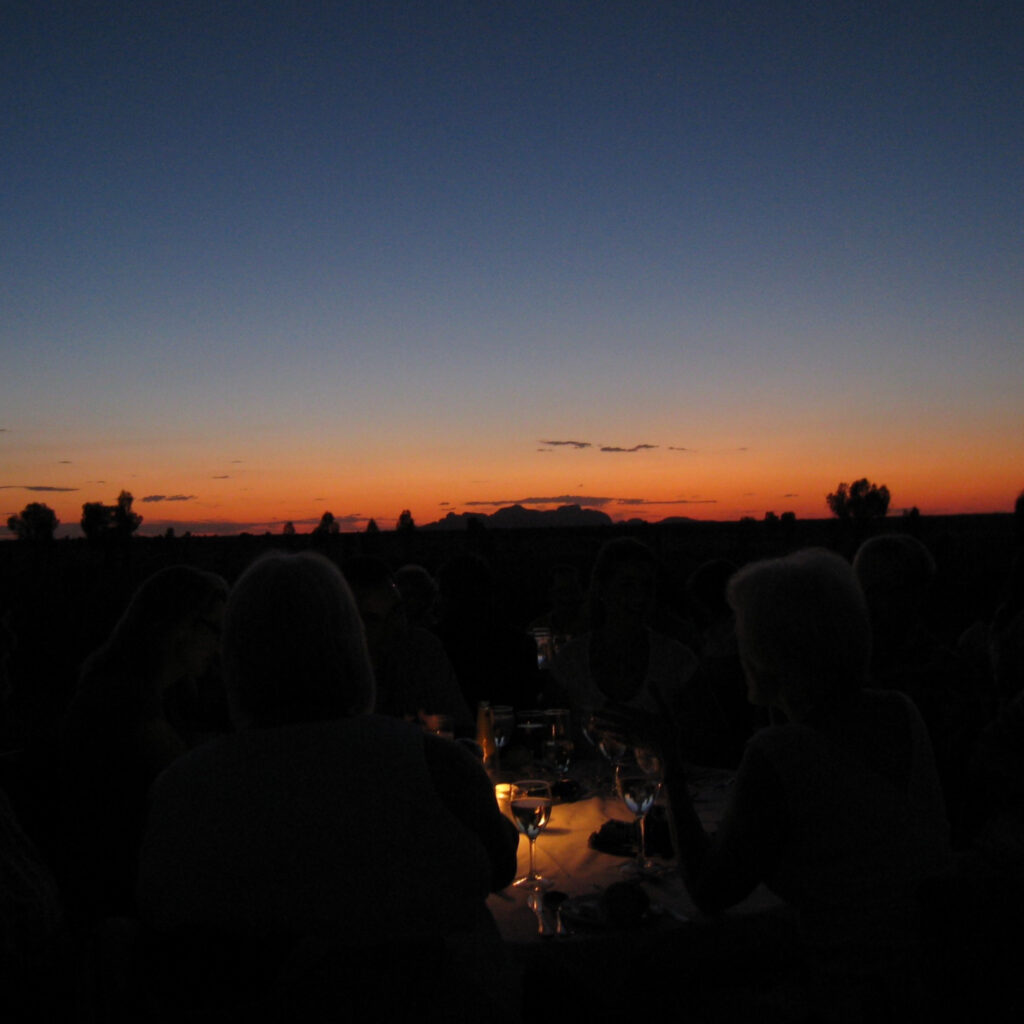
(468, 793)
(722, 871)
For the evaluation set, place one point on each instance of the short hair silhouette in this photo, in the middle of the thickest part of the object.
(894, 566)
(294, 648)
(803, 620)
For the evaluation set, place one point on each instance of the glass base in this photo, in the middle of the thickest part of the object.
(534, 882)
(634, 869)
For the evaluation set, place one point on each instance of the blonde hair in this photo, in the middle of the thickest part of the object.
(803, 620)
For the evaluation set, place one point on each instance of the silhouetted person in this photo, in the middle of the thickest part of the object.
(354, 850)
(116, 737)
(420, 595)
(413, 675)
(622, 661)
(838, 810)
(895, 573)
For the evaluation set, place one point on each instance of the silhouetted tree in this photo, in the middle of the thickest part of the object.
(36, 522)
(859, 500)
(327, 525)
(125, 521)
(117, 521)
(289, 529)
(788, 518)
(770, 517)
(371, 526)
(406, 523)
(96, 519)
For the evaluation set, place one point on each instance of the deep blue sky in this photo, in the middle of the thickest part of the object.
(270, 258)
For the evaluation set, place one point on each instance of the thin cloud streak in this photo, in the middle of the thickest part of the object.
(667, 501)
(560, 499)
(635, 448)
(569, 444)
(34, 487)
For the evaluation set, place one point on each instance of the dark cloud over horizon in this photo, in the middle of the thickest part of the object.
(167, 497)
(635, 448)
(34, 487)
(560, 499)
(569, 444)
(667, 501)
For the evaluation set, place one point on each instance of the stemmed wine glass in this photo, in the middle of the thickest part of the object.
(638, 785)
(558, 746)
(610, 746)
(530, 803)
(504, 720)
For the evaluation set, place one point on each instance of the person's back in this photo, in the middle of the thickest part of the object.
(861, 824)
(319, 834)
(316, 826)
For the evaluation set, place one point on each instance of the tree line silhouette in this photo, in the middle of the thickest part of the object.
(37, 522)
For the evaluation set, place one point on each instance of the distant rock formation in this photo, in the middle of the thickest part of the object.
(513, 517)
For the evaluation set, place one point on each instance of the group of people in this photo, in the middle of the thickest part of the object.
(300, 838)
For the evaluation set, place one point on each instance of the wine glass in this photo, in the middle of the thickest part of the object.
(530, 803)
(504, 720)
(531, 726)
(609, 745)
(558, 745)
(638, 785)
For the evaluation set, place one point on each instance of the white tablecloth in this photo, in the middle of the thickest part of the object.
(564, 856)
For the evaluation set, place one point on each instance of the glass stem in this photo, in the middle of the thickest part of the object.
(533, 869)
(641, 843)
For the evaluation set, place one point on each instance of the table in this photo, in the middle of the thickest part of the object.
(598, 974)
(564, 856)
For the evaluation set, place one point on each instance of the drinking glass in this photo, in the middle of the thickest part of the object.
(638, 789)
(530, 803)
(558, 745)
(531, 726)
(504, 720)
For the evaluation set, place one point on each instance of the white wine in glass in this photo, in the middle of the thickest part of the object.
(638, 790)
(530, 805)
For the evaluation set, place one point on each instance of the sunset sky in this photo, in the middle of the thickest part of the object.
(263, 259)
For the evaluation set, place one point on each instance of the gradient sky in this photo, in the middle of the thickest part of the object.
(263, 259)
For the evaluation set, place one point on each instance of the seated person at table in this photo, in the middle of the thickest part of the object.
(622, 661)
(837, 808)
(117, 734)
(412, 673)
(318, 818)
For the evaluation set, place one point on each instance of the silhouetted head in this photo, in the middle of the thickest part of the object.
(623, 584)
(377, 597)
(171, 627)
(294, 649)
(803, 631)
(419, 594)
(895, 572)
